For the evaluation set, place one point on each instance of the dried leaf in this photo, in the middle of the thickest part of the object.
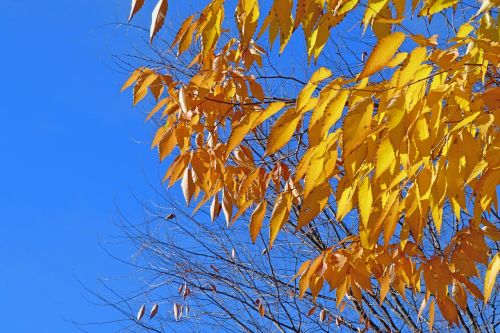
(158, 18)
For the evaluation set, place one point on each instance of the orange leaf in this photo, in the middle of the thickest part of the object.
(256, 220)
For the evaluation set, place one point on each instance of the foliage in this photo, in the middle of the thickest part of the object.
(386, 147)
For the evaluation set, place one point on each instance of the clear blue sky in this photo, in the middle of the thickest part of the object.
(69, 157)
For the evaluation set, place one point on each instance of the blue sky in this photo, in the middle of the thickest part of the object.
(71, 154)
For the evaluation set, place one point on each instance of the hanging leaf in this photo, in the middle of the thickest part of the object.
(491, 276)
(382, 54)
(158, 18)
(140, 313)
(135, 7)
(280, 214)
(282, 131)
(256, 220)
(154, 311)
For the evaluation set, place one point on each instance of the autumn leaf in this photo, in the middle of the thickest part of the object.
(382, 54)
(245, 127)
(282, 131)
(154, 311)
(491, 276)
(256, 220)
(158, 18)
(279, 215)
(140, 313)
(135, 7)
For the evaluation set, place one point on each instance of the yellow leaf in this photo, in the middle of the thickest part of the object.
(357, 125)
(478, 169)
(211, 28)
(407, 74)
(466, 121)
(279, 216)
(242, 209)
(135, 7)
(184, 35)
(313, 204)
(384, 287)
(373, 8)
(491, 276)
(344, 202)
(157, 107)
(160, 133)
(271, 110)
(400, 6)
(486, 5)
(282, 131)
(382, 53)
(431, 315)
(183, 101)
(301, 270)
(247, 14)
(397, 59)
(385, 157)
(464, 30)
(132, 78)
(304, 96)
(142, 85)
(391, 216)
(283, 13)
(333, 112)
(158, 18)
(324, 98)
(167, 144)
(240, 130)
(433, 7)
(365, 200)
(256, 220)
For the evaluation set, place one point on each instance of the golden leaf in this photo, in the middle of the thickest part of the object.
(313, 204)
(385, 157)
(382, 54)
(431, 315)
(365, 200)
(491, 276)
(282, 131)
(384, 286)
(280, 214)
(256, 220)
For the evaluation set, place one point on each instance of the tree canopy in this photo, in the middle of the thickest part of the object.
(397, 145)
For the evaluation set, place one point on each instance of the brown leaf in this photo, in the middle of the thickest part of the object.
(140, 313)
(135, 7)
(154, 311)
(322, 315)
(158, 18)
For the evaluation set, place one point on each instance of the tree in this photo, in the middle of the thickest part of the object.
(383, 163)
